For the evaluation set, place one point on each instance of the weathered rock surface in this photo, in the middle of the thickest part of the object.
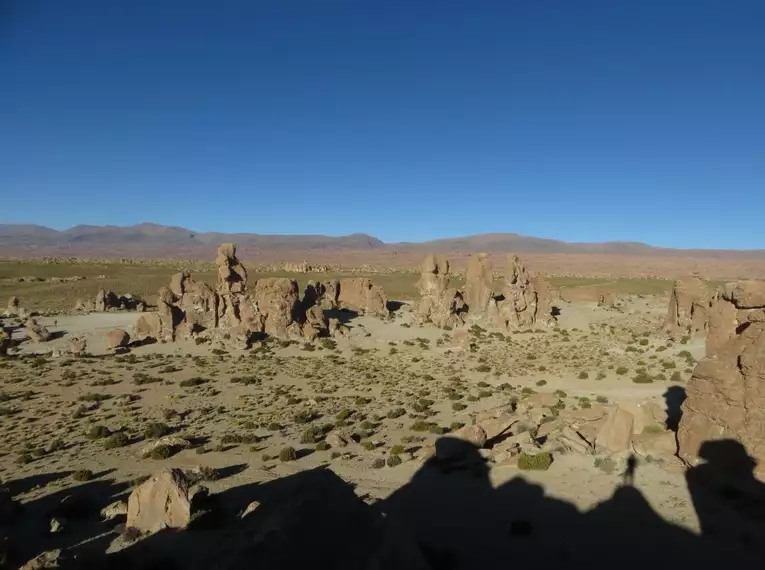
(479, 284)
(607, 299)
(277, 303)
(726, 396)
(687, 312)
(232, 276)
(526, 300)
(160, 502)
(439, 304)
(77, 346)
(37, 332)
(13, 304)
(361, 295)
(615, 434)
(117, 339)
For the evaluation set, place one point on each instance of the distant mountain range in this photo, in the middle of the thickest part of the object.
(155, 241)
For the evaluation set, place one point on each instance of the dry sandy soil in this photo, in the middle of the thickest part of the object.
(74, 423)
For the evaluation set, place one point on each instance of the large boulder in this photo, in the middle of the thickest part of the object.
(526, 299)
(479, 284)
(117, 338)
(160, 502)
(105, 300)
(726, 396)
(37, 332)
(198, 302)
(277, 303)
(359, 294)
(77, 346)
(439, 304)
(687, 312)
(232, 276)
(615, 434)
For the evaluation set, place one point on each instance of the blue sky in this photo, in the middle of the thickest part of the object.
(408, 120)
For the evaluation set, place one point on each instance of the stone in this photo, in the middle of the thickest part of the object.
(198, 303)
(13, 305)
(473, 434)
(479, 284)
(526, 299)
(315, 321)
(607, 299)
(726, 398)
(748, 294)
(160, 502)
(105, 300)
(77, 346)
(50, 559)
(249, 509)
(496, 426)
(117, 339)
(615, 435)
(278, 306)
(360, 295)
(232, 276)
(661, 444)
(335, 439)
(114, 510)
(168, 440)
(439, 304)
(36, 332)
(687, 312)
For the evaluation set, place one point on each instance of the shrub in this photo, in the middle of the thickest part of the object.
(535, 462)
(601, 399)
(161, 452)
(605, 464)
(378, 463)
(191, 382)
(303, 417)
(458, 406)
(541, 383)
(394, 460)
(288, 454)
(397, 450)
(642, 378)
(82, 475)
(643, 342)
(119, 439)
(155, 430)
(98, 432)
(622, 370)
(322, 446)
(676, 377)
(583, 375)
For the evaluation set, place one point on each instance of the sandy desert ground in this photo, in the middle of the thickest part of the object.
(239, 419)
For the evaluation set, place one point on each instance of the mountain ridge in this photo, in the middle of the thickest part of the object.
(155, 239)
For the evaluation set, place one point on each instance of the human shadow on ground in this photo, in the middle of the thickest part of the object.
(728, 499)
(449, 516)
(674, 398)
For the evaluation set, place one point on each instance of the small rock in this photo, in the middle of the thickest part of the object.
(56, 525)
(251, 508)
(114, 510)
(334, 439)
(160, 502)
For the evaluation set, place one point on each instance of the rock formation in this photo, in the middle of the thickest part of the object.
(77, 346)
(105, 300)
(726, 393)
(730, 309)
(479, 284)
(355, 294)
(232, 276)
(233, 312)
(526, 300)
(5, 342)
(117, 339)
(160, 502)
(687, 312)
(607, 299)
(439, 304)
(37, 332)
(13, 305)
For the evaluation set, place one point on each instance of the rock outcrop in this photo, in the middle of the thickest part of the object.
(105, 300)
(160, 502)
(526, 299)
(77, 346)
(117, 339)
(607, 299)
(234, 311)
(37, 332)
(687, 312)
(479, 284)
(729, 309)
(726, 393)
(356, 294)
(13, 305)
(439, 304)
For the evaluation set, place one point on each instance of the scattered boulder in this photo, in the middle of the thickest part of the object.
(114, 510)
(607, 299)
(51, 559)
(36, 332)
(117, 339)
(615, 434)
(160, 502)
(105, 300)
(726, 396)
(77, 346)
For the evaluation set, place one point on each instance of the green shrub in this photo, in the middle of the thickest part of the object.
(458, 406)
(82, 475)
(161, 452)
(394, 460)
(288, 454)
(583, 375)
(119, 439)
(605, 464)
(98, 432)
(155, 430)
(535, 462)
(622, 370)
(642, 378)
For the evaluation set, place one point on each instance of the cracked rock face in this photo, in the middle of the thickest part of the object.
(687, 312)
(726, 396)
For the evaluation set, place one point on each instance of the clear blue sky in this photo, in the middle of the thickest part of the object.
(406, 119)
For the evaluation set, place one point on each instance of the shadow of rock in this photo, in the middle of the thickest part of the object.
(343, 315)
(674, 398)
